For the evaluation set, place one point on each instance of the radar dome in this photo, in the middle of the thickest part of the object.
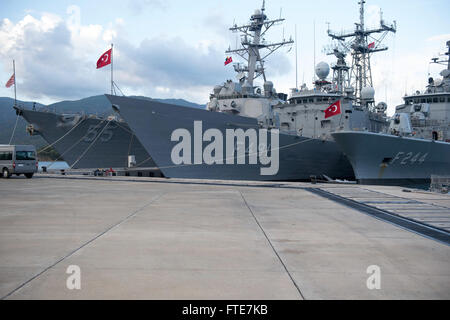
(322, 70)
(368, 93)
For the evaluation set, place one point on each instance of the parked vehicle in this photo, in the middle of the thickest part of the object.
(18, 159)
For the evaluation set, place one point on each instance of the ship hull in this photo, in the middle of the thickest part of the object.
(86, 142)
(390, 160)
(154, 124)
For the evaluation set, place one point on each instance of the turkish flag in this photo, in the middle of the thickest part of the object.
(371, 45)
(228, 60)
(105, 59)
(333, 110)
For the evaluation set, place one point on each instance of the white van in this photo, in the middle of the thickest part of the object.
(17, 160)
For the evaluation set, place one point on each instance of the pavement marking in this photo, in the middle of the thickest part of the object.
(273, 248)
(131, 215)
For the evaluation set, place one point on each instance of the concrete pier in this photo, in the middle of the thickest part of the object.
(151, 238)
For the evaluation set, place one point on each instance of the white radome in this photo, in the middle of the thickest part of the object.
(322, 70)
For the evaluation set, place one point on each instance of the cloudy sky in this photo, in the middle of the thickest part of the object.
(174, 48)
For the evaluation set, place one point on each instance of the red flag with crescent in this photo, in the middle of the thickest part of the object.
(11, 81)
(333, 110)
(228, 60)
(105, 59)
(371, 45)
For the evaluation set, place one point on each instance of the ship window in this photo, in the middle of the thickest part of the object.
(435, 100)
(311, 100)
(305, 100)
(442, 99)
(448, 99)
(423, 100)
(416, 100)
(428, 100)
(325, 123)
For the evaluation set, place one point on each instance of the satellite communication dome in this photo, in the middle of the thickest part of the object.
(368, 93)
(257, 12)
(322, 70)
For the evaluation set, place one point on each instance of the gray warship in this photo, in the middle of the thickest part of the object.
(416, 145)
(87, 141)
(230, 140)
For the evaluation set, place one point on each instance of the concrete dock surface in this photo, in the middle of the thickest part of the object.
(150, 238)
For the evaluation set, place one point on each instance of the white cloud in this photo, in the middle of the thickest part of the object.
(55, 59)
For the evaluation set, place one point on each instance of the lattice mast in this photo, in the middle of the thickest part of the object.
(252, 42)
(362, 43)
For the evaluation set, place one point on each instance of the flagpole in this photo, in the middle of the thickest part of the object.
(112, 81)
(14, 72)
(296, 59)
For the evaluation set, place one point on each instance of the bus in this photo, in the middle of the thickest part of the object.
(18, 159)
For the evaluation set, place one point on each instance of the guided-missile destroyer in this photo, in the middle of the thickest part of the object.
(253, 133)
(87, 141)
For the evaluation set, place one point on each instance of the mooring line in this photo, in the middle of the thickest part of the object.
(82, 246)
(273, 248)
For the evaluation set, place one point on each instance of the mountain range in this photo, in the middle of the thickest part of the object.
(92, 105)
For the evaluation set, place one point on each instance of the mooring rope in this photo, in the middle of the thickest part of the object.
(14, 130)
(90, 145)
(65, 135)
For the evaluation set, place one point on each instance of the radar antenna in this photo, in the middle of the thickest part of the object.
(252, 41)
(443, 61)
(362, 43)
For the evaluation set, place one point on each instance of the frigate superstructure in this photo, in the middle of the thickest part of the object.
(417, 143)
(87, 141)
(351, 85)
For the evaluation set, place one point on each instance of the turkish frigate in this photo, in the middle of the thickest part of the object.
(230, 140)
(87, 141)
(417, 143)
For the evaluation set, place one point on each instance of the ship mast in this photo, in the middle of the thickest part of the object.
(448, 54)
(252, 41)
(362, 43)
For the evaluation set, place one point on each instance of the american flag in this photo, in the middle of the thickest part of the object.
(11, 81)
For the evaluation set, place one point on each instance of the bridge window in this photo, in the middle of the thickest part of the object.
(428, 100)
(423, 100)
(435, 100)
(311, 100)
(442, 99)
